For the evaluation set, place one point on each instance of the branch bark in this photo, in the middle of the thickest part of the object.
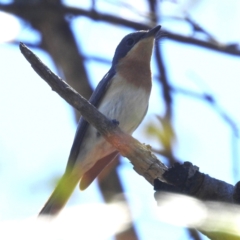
(181, 177)
(144, 162)
(184, 178)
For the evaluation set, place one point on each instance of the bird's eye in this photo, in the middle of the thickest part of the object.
(129, 42)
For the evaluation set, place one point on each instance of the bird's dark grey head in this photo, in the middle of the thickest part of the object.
(129, 41)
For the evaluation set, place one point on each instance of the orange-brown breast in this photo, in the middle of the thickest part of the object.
(135, 66)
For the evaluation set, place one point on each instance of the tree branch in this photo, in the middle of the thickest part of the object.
(184, 178)
(144, 162)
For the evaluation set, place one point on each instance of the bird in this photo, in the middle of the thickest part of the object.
(122, 96)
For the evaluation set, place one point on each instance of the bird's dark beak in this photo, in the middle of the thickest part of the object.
(152, 32)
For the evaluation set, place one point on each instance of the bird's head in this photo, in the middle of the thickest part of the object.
(138, 44)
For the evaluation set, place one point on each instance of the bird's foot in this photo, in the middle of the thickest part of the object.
(115, 122)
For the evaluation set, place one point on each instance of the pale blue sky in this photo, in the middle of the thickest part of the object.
(37, 126)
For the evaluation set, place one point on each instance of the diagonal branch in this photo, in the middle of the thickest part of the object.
(232, 49)
(144, 162)
(180, 178)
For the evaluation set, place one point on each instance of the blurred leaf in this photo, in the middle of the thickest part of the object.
(163, 132)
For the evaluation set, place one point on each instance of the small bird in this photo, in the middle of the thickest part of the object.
(122, 95)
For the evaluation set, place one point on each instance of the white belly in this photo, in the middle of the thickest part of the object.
(128, 105)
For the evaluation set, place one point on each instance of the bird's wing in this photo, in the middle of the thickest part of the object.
(95, 100)
(94, 171)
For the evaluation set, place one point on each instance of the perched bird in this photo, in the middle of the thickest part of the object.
(122, 95)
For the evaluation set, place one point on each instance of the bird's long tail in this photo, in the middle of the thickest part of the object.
(60, 195)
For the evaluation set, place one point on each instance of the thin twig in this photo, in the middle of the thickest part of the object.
(232, 49)
(211, 101)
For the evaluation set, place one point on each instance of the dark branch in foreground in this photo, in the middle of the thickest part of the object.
(184, 178)
(180, 177)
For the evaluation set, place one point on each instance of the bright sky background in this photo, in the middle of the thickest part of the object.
(37, 127)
